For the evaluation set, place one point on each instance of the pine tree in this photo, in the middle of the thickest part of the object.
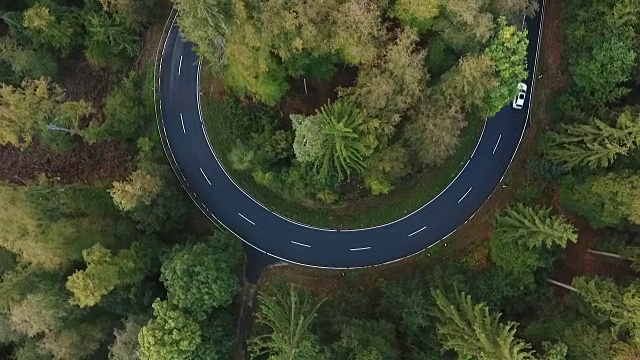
(611, 199)
(596, 144)
(338, 140)
(473, 332)
(288, 313)
(535, 227)
(611, 303)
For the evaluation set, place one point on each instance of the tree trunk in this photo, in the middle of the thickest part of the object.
(245, 320)
(604, 253)
(562, 285)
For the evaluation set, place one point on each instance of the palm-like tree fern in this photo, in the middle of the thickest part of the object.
(288, 313)
(338, 139)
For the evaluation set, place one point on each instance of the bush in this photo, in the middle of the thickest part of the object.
(242, 158)
(378, 186)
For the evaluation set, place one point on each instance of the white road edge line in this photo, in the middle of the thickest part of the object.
(496, 148)
(362, 248)
(182, 121)
(301, 244)
(180, 65)
(205, 176)
(465, 195)
(417, 231)
(244, 217)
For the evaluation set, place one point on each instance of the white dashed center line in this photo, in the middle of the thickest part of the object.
(495, 148)
(205, 176)
(182, 122)
(415, 232)
(244, 217)
(362, 248)
(301, 244)
(465, 195)
(180, 65)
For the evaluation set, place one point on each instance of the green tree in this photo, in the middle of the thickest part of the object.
(242, 157)
(288, 313)
(141, 187)
(249, 65)
(365, 340)
(48, 24)
(600, 40)
(604, 200)
(465, 26)
(105, 272)
(473, 332)
(519, 262)
(205, 23)
(471, 81)
(357, 31)
(125, 346)
(534, 227)
(124, 114)
(508, 51)
(434, 131)
(417, 13)
(135, 11)
(39, 312)
(76, 340)
(386, 166)
(612, 304)
(27, 110)
(554, 351)
(337, 140)
(203, 276)
(111, 42)
(170, 335)
(26, 62)
(166, 212)
(595, 144)
(389, 87)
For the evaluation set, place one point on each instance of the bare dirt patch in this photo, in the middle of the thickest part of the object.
(301, 99)
(556, 77)
(84, 164)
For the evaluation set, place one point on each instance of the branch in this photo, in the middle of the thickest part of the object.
(608, 254)
(562, 285)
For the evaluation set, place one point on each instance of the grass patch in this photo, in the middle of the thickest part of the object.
(364, 213)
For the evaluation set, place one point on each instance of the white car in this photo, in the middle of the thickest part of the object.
(518, 102)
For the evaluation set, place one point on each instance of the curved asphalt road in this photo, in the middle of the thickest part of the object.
(203, 177)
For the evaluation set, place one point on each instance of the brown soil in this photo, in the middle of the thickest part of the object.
(299, 101)
(556, 77)
(84, 164)
(578, 262)
(82, 81)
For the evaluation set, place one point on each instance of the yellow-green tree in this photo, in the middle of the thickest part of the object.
(141, 187)
(106, 271)
(27, 110)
